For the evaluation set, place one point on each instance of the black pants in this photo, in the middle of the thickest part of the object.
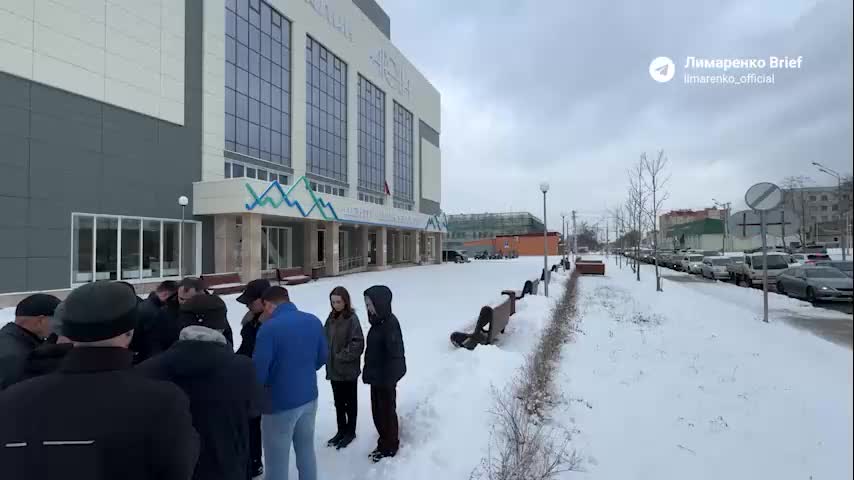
(346, 405)
(384, 410)
(254, 443)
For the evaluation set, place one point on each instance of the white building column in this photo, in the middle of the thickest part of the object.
(250, 252)
(382, 237)
(225, 243)
(309, 242)
(416, 246)
(437, 248)
(331, 248)
(364, 243)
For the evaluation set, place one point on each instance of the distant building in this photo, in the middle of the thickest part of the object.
(822, 214)
(708, 235)
(677, 217)
(530, 244)
(479, 226)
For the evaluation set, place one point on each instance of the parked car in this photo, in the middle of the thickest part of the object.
(815, 283)
(734, 267)
(809, 258)
(844, 267)
(716, 267)
(749, 273)
(455, 256)
(691, 263)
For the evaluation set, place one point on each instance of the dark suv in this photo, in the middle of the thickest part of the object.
(455, 256)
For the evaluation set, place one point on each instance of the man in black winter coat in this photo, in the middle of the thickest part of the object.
(251, 297)
(47, 357)
(385, 365)
(221, 386)
(169, 324)
(28, 331)
(145, 343)
(96, 419)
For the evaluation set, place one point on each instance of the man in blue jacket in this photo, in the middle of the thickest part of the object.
(290, 349)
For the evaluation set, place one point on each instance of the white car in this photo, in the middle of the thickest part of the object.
(716, 268)
(692, 263)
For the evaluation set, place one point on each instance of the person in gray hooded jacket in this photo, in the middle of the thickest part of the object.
(346, 344)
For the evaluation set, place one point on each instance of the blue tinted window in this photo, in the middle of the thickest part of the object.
(257, 46)
(371, 104)
(324, 74)
(403, 169)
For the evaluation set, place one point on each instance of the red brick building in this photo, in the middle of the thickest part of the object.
(524, 245)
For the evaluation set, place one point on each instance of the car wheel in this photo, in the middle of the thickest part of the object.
(780, 289)
(810, 295)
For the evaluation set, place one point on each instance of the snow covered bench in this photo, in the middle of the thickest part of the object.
(291, 276)
(587, 267)
(223, 283)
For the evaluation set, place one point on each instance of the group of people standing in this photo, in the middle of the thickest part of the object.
(106, 385)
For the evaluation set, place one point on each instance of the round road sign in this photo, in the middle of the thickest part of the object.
(764, 196)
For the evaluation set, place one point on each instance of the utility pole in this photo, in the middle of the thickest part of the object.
(606, 238)
(844, 236)
(574, 235)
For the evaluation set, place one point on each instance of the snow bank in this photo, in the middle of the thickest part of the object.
(681, 384)
(445, 398)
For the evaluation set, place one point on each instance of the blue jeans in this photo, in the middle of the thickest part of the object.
(278, 430)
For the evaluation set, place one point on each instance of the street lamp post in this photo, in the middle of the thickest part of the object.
(834, 173)
(726, 207)
(183, 201)
(544, 187)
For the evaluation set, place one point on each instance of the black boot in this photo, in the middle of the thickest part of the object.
(345, 440)
(381, 454)
(333, 442)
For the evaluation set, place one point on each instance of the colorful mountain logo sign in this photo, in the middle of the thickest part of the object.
(275, 196)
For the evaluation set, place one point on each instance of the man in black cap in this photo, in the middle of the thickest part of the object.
(224, 393)
(168, 323)
(45, 358)
(95, 418)
(251, 297)
(28, 331)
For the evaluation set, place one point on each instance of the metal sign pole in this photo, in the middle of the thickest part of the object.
(764, 269)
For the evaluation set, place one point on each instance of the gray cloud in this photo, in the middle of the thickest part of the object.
(558, 90)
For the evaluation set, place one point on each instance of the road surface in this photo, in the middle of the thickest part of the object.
(831, 321)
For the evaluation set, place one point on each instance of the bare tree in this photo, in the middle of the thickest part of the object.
(637, 206)
(796, 199)
(655, 184)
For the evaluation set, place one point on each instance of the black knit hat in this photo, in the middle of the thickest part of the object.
(99, 311)
(205, 311)
(37, 305)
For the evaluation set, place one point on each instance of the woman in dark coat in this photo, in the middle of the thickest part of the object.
(346, 344)
(385, 365)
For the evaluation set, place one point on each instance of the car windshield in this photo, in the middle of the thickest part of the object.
(774, 262)
(822, 272)
(721, 261)
(695, 258)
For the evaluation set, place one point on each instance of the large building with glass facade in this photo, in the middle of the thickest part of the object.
(301, 136)
(469, 227)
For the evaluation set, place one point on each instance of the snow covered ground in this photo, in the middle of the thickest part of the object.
(445, 398)
(681, 384)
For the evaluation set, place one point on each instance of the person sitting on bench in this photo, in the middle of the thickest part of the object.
(480, 336)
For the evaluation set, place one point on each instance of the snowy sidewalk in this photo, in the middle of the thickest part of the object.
(680, 384)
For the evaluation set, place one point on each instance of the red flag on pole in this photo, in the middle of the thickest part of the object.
(385, 186)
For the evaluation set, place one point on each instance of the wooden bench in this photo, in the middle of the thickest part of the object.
(590, 268)
(291, 276)
(500, 318)
(223, 283)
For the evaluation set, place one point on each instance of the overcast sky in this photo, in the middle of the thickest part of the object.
(560, 90)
